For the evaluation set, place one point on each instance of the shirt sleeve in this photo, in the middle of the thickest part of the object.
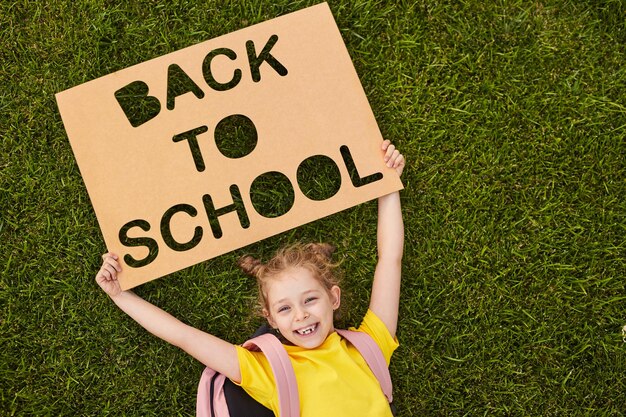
(374, 327)
(257, 378)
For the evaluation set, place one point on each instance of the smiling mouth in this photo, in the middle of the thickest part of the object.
(307, 330)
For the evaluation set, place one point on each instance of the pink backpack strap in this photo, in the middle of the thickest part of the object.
(286, 384)
(204, 400)
(374, 357)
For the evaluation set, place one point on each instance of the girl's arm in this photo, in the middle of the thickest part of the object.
(208, 349)
(385, 299)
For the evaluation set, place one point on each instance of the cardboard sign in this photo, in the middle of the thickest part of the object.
(170, 191)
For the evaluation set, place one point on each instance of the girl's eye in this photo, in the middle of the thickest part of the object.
(283, 308)
(310, 299)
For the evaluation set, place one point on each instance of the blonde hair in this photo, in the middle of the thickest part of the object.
(315, 257)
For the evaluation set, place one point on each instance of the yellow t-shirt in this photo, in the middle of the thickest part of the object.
(333, 379)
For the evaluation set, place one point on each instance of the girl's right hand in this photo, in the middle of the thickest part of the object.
(107, 276)
(393, 158)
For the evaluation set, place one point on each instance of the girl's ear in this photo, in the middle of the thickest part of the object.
(335, 299)
(269, 318)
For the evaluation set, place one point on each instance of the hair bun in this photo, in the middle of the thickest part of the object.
(324, 249)
(250, 266)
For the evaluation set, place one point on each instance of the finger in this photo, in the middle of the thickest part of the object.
(105, 274)
(400, 161)
(392, 158)
(109, 255)
(389, 152)
(110, 272)
(113, 262)
(102, 276)
(385, 144)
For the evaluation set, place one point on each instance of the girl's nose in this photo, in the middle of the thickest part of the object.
(302, 315)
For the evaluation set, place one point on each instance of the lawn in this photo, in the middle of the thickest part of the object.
(512, 115)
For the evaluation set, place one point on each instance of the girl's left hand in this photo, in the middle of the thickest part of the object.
(393, 158)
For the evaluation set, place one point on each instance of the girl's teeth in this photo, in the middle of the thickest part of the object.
(306, 331)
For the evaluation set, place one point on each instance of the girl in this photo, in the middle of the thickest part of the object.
(298, 294)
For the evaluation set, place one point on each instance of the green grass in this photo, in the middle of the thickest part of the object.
(512, 115)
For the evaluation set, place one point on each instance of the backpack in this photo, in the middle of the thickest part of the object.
(218, 396)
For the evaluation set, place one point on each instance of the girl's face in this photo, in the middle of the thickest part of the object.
(301, 308)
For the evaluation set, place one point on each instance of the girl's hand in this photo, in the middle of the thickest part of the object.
(107, 276)
(393, 157)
